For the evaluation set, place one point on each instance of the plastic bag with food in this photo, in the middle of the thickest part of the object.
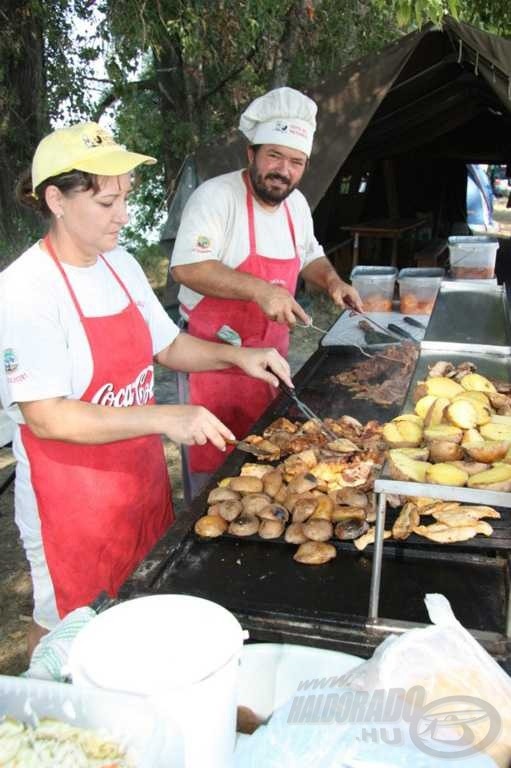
(455, 682)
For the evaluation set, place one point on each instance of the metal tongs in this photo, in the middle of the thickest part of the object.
(387, 331)
(304, 408)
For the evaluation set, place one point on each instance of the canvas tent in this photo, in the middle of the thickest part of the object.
(395, 131)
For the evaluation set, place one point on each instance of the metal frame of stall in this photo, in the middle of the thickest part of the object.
(455, 300)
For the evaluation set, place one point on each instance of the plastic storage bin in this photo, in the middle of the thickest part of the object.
(472, 257)
(375, 286)
(418, 287)
(126, 719)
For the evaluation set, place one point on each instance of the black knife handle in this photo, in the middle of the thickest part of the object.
(415, 323)
(400, 331)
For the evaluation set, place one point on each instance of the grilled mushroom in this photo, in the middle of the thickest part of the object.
(314, 553)
(318, 530)
(210, 526)
(244, 525)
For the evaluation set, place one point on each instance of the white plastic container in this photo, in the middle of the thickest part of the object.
(272, 672)
(126, 719)
(180, 651)
(418, 288)
(472, 257)
(375, 286)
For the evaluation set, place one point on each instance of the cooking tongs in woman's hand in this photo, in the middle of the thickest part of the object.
(306, 410)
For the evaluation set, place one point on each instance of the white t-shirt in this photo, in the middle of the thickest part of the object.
(45, 352)
(44, 347)
(214, 225)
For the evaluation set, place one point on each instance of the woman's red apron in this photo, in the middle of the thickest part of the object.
(236, 399)
(102, 507)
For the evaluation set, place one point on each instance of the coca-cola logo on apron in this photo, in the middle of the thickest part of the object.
(139, 392)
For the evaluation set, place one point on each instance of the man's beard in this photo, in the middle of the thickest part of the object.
(263, 192)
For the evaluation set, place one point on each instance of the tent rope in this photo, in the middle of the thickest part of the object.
(460, 50)
(476, 66)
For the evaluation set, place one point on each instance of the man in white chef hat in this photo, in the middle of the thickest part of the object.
(244, 239)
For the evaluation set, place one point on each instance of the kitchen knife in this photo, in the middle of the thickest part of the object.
(400, 331)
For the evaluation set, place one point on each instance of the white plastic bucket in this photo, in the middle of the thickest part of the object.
(181, 651)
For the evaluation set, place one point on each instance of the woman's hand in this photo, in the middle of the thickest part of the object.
(262, 364)
(193, 425)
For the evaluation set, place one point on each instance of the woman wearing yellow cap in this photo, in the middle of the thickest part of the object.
(79, 330)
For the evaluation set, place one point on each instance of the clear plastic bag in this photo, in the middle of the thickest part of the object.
(384, 712)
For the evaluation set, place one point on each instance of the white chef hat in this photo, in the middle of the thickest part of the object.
(283, 116)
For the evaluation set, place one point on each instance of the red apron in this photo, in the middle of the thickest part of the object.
(235, 398)
(102, 507)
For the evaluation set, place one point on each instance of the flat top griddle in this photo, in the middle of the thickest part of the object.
(280, 600)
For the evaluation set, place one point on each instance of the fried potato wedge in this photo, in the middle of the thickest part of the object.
(436, 412)
(498, 478)
(488, 452)
(446, 474)
(443, 432)
(402, 467)
(444, 450)
(423, 405)
(413, 417)
(458, 417)
(476, 382)
(402, 434)
(463, 414)
(419, 454)
(470, 467)
(441, 386)
(494, 431)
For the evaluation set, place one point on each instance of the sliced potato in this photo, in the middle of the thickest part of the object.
(413, 417)
(402, 434)
(423, 405)
(472, 437)
(496, 431)
(470, 467)
(420, 454)
(498, 478)
(475, 397)
(443, 432)
(483, 412)
(402, 467)
(444, 450)
(462, 413)
(476, 382)
(497, 419)
(488, 452)
(441, 386)
(446, 474)
(435, 414)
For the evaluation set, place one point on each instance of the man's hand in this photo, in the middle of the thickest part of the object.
(277, 303)
(344, 295)
(262, 364)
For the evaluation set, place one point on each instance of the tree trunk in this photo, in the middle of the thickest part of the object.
(300, 14)
(24, 116)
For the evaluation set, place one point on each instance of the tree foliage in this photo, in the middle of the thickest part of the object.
(178, 72)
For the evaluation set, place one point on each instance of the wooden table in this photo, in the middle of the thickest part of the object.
(390, 229)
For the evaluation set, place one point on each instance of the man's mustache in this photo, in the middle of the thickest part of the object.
(278, 177)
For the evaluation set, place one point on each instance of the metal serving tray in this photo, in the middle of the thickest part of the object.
(490, 365)
(470, 317)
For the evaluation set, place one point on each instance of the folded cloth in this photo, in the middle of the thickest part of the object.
(51, 654)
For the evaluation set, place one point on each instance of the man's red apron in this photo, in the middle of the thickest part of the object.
(235, 398)
(102, 507)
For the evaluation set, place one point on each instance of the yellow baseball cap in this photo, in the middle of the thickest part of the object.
(83, 147)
